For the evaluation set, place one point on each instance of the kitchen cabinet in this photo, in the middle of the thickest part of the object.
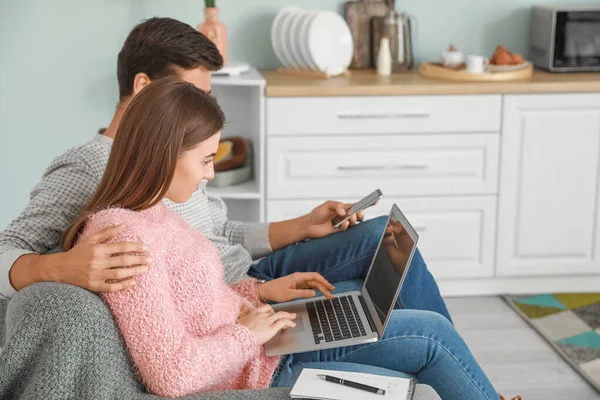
(548, 196)
(500, 180)
(436, 157)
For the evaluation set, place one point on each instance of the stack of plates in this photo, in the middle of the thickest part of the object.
(312, 40)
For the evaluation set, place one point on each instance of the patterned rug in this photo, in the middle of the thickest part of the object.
(570, 322)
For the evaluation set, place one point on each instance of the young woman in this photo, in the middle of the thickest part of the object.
(186, 329)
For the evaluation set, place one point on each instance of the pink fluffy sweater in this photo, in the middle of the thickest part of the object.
(179, 321)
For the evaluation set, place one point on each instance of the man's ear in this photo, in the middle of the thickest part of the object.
(140, 81)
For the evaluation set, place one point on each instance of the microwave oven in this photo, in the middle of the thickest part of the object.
(565, 38)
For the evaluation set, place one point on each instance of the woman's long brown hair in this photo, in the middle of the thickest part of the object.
(165, 119)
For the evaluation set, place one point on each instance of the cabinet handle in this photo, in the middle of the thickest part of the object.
(382, 167)
(360, 167)
(408, 114)
(420, 228)
(411, 166)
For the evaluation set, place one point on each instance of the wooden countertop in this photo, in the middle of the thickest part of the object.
(367, 83)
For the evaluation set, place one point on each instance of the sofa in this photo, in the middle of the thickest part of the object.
(62, 343)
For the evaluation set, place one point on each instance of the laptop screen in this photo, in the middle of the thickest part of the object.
(390, 264)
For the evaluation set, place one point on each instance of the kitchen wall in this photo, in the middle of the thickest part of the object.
(57, 62)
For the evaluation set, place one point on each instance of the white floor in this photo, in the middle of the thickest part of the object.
(515, 358)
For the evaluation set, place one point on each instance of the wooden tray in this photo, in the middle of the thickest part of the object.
(436, 71)
(358, 15)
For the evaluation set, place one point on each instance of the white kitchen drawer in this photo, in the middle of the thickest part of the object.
(382, 114)
(456, 235)
(334, 166)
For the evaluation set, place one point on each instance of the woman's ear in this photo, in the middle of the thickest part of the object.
(140, 81)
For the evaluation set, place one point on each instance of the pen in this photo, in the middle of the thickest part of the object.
(351, 384)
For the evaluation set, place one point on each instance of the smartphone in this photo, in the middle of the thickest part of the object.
(366, 202)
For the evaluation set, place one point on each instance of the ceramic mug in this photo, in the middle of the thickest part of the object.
(477, 64)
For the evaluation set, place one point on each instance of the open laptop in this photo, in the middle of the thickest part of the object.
(354, 317)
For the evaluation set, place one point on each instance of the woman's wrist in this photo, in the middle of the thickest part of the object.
(260, 286)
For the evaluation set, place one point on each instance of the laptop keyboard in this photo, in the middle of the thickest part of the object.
(335, 319)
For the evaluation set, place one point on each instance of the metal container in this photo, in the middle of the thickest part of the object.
(398, 28)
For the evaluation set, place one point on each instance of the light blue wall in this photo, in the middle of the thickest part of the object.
(57, 62)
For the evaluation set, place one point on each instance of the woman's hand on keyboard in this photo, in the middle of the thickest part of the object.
(296, 285)
(264, 323)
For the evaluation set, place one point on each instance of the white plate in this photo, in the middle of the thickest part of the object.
(293, 39)
(284, 29)
(303, 39)
(330, 43)
(507, 68)
(276, 33)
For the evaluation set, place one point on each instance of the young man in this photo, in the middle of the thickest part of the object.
(156, 48)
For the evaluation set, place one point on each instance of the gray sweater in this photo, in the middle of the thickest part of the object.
(72, 178)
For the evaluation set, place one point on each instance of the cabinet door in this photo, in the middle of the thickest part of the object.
(456, 234)
(548, 196)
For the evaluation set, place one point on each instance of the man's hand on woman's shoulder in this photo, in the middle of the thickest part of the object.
(102, 267)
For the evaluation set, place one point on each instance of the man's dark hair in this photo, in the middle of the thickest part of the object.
(158, 46)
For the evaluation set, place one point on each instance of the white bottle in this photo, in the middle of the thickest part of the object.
(384, 57)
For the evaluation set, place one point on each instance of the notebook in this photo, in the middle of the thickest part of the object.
(310, 386)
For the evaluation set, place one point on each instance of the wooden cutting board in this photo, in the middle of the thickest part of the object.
(436, 71)
(358, 15)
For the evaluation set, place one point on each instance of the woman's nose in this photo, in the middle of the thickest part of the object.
(210, 174)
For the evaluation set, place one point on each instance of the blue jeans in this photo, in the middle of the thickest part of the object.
(422, 343)
(347, 255)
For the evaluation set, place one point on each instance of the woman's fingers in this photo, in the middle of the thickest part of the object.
(321, 288)
(265, 308)
(303, 293)
(279, 315)
(316, 281)
(315, 276)
(244, 310)
(282, 324)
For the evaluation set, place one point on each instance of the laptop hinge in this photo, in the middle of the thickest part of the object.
(368, 314)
